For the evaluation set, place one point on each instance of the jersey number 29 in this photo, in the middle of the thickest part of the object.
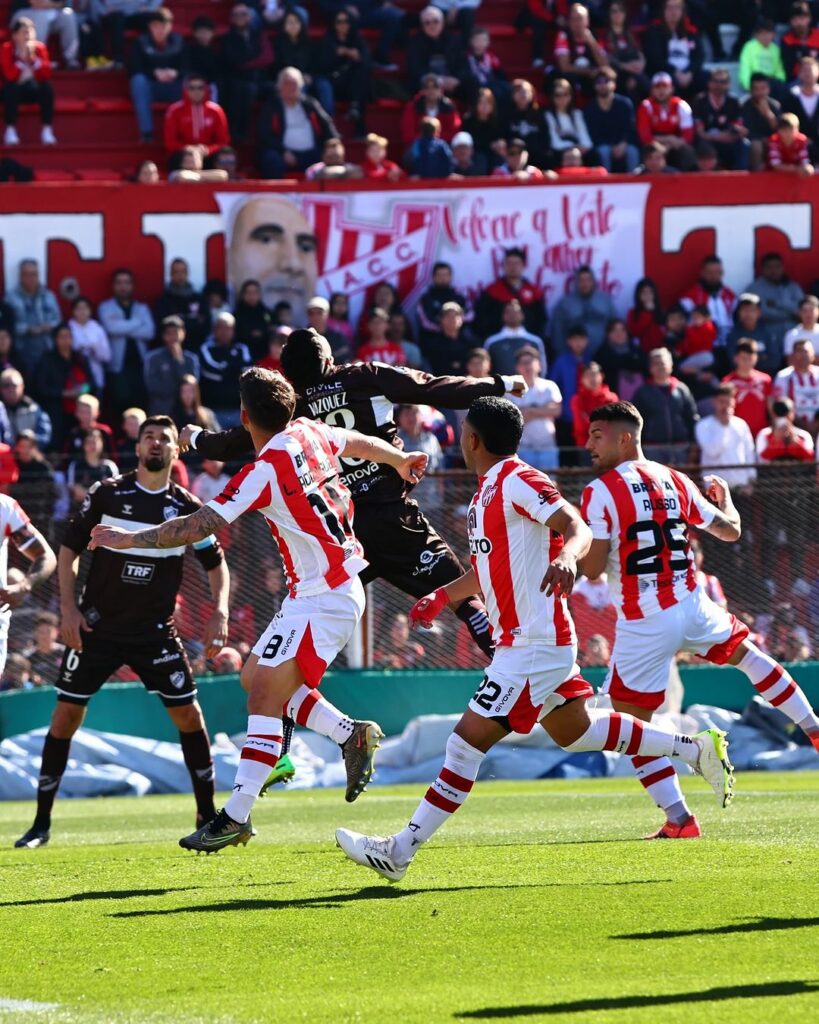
(668, 536)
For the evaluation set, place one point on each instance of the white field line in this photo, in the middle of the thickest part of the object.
(25, 1006)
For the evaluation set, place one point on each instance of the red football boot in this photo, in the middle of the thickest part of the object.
(690, 829)
(814, 738)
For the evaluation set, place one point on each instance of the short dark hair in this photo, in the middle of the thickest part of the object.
(441, 265)
(759, 76)
(726, 389)
(713, 258)
(577, 331)
(203, 21)
(769, 257)
(515, 251)
(747, 345)
(498, 423)
(122, 270)
(157, 421)
(782, 407)
(267, 398)
(302, 358)
(618, 412)
(584, 268)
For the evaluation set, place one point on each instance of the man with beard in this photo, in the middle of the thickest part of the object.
(125, 617)
(399, 542)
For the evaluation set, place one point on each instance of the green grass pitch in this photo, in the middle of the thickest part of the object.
(537, 902)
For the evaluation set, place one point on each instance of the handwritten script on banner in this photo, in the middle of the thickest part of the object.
(349, 242)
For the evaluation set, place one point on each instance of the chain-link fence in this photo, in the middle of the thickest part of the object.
(770, 579)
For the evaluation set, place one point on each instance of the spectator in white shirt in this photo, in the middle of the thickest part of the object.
(800, 383)
(807, 328)
(540, 406)
(726, 440)
(211, 481)
(90, 339)
(503, 347)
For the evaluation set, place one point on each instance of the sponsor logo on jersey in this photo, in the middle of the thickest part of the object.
(137, 572)
(177, 679)
(427, 562)
(127, 510)
(480, 545)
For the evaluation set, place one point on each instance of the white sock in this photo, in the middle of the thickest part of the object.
(773, 683)
(309, 708)
(260, 754)
(443, 798)
(659, 778)
(612, 730)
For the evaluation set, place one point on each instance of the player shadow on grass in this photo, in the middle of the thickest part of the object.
(771, 988)
(758, 924)
(119, 894)
(370, 892)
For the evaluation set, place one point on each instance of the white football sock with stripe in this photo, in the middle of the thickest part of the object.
(612, 730)
(772, 682)
(659, 778)
(260, 754)
(443, 798)
(309, 708)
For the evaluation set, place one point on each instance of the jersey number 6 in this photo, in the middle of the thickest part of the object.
(668, 536)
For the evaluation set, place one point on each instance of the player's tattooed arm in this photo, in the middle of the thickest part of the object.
(33, 545)
(726, 524)
(175, 533)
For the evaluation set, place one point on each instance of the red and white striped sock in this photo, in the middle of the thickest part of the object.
(772, 682)
(309, 708)
(443, 798)
(659, 778)
(260, 753)
(611, 730)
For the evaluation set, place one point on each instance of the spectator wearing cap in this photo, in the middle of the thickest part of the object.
(672, 45)
(516, 164)
(376, 166)
(752, 388)
(503, 347)
(165, 367)
(807, 329)
(434, 49)
(195, 121)
(586, 303)
(512, 284)
(447, 351)
(247, 56)
(779, 299)
(747, 326)
(577, 54)
(718, 121)
(333, 165)
(760, 115)
(222, 360)
(611, 125)
(466, 163)
(788, 148)
(664, 117)
(292, 127)
(318, 315)
(429, 156)
(803, 100)
(157, 67)
(761, 56)
(429, 102)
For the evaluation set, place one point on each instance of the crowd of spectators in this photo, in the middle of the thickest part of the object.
(631, 86)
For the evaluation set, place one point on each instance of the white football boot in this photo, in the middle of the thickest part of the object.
(374, 852)
(713, 764)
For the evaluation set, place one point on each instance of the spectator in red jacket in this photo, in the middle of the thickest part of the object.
(591, 394)
(788, 148)
(711, 291)
(664, 117)
(645, 318)
(511, 285)
(26, 69)
(429, 102)
(195, 120)
(751, 387)
(375, 165)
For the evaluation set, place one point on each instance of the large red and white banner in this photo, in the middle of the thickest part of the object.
(349, 238)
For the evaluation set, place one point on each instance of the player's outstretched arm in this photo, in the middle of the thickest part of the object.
(176, 533)
(216, 628)
(33, 545)
(424, 612)
(562, 572)
(726, 524)
(224, 445)
(409, 465)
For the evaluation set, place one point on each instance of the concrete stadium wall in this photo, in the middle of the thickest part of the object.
(391, 698)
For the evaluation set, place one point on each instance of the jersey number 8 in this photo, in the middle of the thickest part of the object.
(669, 536)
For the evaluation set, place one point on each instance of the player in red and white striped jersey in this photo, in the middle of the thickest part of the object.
(525, 541)
(295, 484)
(639, 513)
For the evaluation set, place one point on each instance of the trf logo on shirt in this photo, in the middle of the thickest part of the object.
(137, 572)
